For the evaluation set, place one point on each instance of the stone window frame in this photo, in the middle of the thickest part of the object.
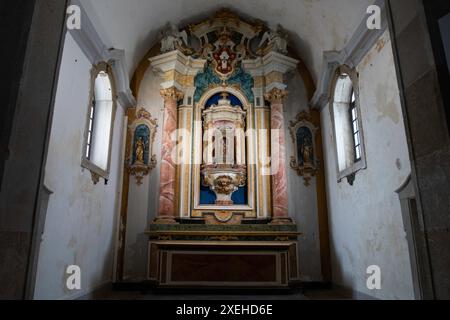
(350, 171)
(97, 172)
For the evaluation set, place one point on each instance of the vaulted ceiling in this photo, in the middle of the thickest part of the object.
(314, 25)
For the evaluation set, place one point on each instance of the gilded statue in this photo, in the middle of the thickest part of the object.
(140, 151)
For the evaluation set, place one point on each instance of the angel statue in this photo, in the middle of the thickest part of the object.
(276, 38)
(173, 39)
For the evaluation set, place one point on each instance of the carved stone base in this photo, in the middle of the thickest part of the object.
(282, 221)
(219, 218)
(164, 220)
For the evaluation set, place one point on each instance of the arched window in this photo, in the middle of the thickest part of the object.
(100, 121)
(346, 118)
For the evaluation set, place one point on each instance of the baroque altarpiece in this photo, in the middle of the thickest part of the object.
(223, 217)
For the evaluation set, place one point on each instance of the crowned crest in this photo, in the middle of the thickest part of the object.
(225, 57)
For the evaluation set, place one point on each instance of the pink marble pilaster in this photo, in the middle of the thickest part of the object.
(280, 214)
(167, 211)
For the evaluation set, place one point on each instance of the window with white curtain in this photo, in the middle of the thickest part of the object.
(100, 120)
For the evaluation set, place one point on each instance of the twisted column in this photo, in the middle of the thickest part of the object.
(167, 211)
(280, 212)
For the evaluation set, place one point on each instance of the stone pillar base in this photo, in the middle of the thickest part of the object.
(163, 220)
(282, 221)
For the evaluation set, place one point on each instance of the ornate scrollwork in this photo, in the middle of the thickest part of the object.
(276, 95)
(171, 94)
(140, 171)
(223, 238)
(224, 185)
(95, 177)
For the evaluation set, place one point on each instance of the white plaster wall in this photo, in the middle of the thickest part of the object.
(144, 199)
(302, 199)
(81, 217)
(366, 226)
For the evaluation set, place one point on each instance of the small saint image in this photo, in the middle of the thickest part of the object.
(305, 147)
(141, 146)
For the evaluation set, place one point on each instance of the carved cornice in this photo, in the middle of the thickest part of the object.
(276, 95)
(171, 94)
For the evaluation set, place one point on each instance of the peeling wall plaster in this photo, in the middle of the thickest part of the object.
(366, 226)
(81, 218)
(144, 199)
(302, 200)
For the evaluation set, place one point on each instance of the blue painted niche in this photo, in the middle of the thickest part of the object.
(215, 100)
(208, 197)
(303, 133)
(142, 131)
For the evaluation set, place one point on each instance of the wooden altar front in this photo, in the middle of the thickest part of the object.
(223, 256)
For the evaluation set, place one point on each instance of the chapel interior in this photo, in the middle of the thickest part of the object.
(262, 146)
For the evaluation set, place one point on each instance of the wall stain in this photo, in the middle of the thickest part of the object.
(380, 44)
(72, 243)
(398, 164)
(386, 109)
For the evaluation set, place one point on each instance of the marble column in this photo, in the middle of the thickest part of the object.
(264, 178)
(280, 214)
(167, 209)
(240, 144)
